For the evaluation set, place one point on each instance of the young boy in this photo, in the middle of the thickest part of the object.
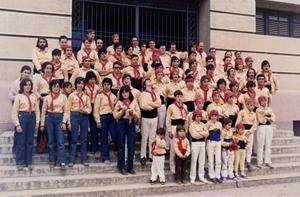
(240, 154)
(265, 117)
(67, 90)
(227, 152)
(199, 104)
(214, 147)
(158, 153)
(198, 134)
(182, 150)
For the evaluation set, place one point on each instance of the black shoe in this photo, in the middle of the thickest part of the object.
(143, 161)
(123, 172)
(152, 182)
(219, 181)
(270, 166)
(214, 180)
(131, 172)
(85, 163)
(249, 166)
(150, 159)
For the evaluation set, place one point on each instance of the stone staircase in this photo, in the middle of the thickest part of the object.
(103, 180)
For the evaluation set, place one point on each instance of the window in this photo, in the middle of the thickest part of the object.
(277, 23)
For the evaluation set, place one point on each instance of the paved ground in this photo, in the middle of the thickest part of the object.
(280, 190)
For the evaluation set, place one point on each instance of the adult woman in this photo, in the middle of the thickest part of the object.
(126, 112)
(80, 106)
(26, 117)
(54, 117)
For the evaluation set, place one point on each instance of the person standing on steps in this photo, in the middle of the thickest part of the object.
(26, 118)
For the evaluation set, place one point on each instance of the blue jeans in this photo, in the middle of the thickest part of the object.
(56, 137)
(94, 133)
(80, 122)
(24, 140)
(108, 126)
(125, 130)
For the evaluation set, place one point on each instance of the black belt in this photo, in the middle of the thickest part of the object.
(198, 140)
(176, 122)
(43, 95)
(162, 99)
(190, 106)
(149, 114)
(247, 126)
(267, 123)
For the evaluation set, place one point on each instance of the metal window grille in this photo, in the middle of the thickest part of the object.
(145, 19)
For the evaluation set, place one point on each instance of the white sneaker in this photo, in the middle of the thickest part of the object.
(203, 180)
(193, 182)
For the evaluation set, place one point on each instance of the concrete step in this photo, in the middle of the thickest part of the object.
(295, 140)
(282, 158)
(142, 188)
(283, 133)
(281, 149)
(110, 178)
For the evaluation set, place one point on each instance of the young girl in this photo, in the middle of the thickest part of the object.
(26, 118)
(227, 152)
(79, 106)
(240, 154)
(231, 110)
(158, 150)
(182, 150)
(54, 118)
(199, 134)
(214, 147)
(127, 113)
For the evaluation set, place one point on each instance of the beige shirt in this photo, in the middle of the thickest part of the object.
(102, 105)
(40, 85)
(21, 104)
(69, 64)
(118, 112)
(230, 109)
(146, 102)
(75, 105)
(216, 106)
(81, 72)
(40, 56)
(92, 91)
(198, 130)
(60, 105)
(185, 144)
(226, 134)
(265, 114)
(173, 113)
(82, 53)
(160, 146)
(247, 117)
(172, 87)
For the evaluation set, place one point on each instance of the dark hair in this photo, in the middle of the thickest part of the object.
(209, 57)
(79, 80)
(86, 39)
(133, 36)
(177, 93)
(134, 55)
(107, 80)
(89, 75)
(90, 31)
(125, 89)
(237, 52)
(179, 128)
(100, 51)
(41, 38)
(247, 74)
(237, 64)
(25, 67)
(62, 37)
(232, 84)
(66, 84)
(162, 44)
(148, 42)
(161, 131)
(189, 76)
(192, 45)
(187, 71)
(203, 78)
(45, 64)
(227, 121)
(144, 83)
(191, 52)
(225, 57)
(56, 52)
(156, 65)
(173, 58)
(125, 76)
(210, 67)
(228, 71)
(53, 83)
(127, 48)
(117, 63)
(250, 84)
(212, 48)
(142, 43)
(221, 81)
(117, 45)
(23, 83)
(264, 63)
(260, 75)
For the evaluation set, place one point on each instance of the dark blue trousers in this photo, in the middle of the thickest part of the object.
(108, 127)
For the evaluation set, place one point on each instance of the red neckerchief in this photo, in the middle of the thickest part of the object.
(57, 66)
(260, 88)
(143, 59)
(103, 63)
(249, 79)
(119, 58)
(237, 95)
(180, 145)
(181, 108)
(210, 78)
(109, 99)
(153, 95)
(53, 97)
(48, 79)
(29, 101)
(267, 75)
(127, 104)
(91, 87)
(87, 51)
(231, 79)
(173, 70)
(251, 95)
(205, 90)
(222, 97)
(153, 145)
(136, 71)
(81, 103)
(194, 74)
(118, 77)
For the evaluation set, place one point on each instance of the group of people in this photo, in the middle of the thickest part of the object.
(191, 105)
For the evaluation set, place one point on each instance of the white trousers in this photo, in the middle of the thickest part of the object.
(157, 168)
(227, 163)
(162, 111)
(214, 159)
(172, 152)
(148, 130)
(264, 140)
(198, 156)
(249, 148)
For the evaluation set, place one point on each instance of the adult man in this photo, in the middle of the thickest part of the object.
(87, 51)
(116, 40)
(164, 57)
(90, 35)
(40, 54)
(135, 45)
(63, 42)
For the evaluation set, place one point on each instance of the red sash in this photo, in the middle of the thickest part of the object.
(181, 108)
(53, 97)
(180, 145)
(109, 99)
(29, 102)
